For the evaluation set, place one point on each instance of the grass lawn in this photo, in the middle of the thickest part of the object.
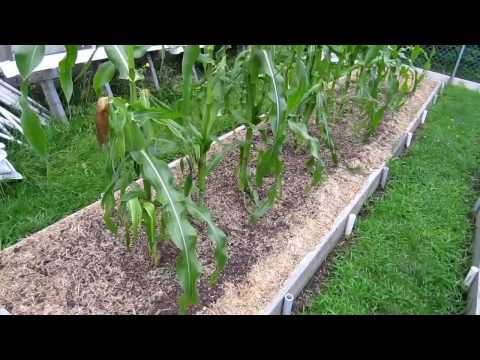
(75, 179)
(411, 251)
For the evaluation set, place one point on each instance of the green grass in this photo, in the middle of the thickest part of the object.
(75, 179)
(409, 255)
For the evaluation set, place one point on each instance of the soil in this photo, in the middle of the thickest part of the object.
(77, 267)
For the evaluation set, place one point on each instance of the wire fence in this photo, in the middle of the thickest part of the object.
(446, 57)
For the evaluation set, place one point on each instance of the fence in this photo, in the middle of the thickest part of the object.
(446, 58)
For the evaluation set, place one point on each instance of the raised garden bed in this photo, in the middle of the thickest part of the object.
(77, 267)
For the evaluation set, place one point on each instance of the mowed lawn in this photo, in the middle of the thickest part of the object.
(411, 251)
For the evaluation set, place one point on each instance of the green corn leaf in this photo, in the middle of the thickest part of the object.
(373, 51)
(108, 204)
(32, 128)
(134, 138)
(150, 220)
(27, 58)
(118, 55)
(267, 203)
(178, 228)
(215, 234)
(135, 209)
(190, 55)
(279, 100)
(104, 75)
(315, 162)
(295, 99)
(65, 71)
(140, 50)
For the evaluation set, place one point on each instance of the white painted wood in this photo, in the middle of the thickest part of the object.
(432, 75)
(4, 312)
(473, 298)
(424, 116)
(435, 99)
(8, 172)
(9, 68)
(476, 207)
(470, 277)
(350, 224)
(476, 241)
(153, 72)
(11, 118)
(383, 181)
(108, 90)
(408, 142)
(53, 100)
(9, 96)
(303, 272)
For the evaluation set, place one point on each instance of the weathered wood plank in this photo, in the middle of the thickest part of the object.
(302, 274)
(4, 312)
(53, 99)
(476, 241)
(473, 298)
(153, 72)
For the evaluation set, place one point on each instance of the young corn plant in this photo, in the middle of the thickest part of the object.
(127, 129)
(260, 87)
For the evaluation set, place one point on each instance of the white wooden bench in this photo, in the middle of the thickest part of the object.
(47, 71)
(7, 171)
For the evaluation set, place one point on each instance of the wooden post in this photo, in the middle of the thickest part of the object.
(153, 72)
(46, 79)
(53, 100)
(108, 90)
(383, 180)
(476, 241)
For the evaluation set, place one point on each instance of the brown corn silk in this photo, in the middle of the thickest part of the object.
(102, 120)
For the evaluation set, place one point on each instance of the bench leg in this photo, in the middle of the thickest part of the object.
(108, 90)
(153, 72)
(53, 100)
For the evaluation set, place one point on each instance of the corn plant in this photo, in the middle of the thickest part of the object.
(282, 87)
(133, 138)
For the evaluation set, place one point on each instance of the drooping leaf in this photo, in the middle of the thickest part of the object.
(201, 213)
(190, 55)
(118, 55)
(27, 58)
(65, 68)
(178, 228)
(32, 128)
(104, 75)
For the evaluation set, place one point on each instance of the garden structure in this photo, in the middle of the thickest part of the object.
(277, 147)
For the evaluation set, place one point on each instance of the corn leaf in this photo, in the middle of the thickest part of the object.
(150, 220)
(118, 55)
(178, 228)
(135, 209)
(104, 75)
(27, 58)
(215, 234)
(32, 128)
(65, 71)
(190, 55)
